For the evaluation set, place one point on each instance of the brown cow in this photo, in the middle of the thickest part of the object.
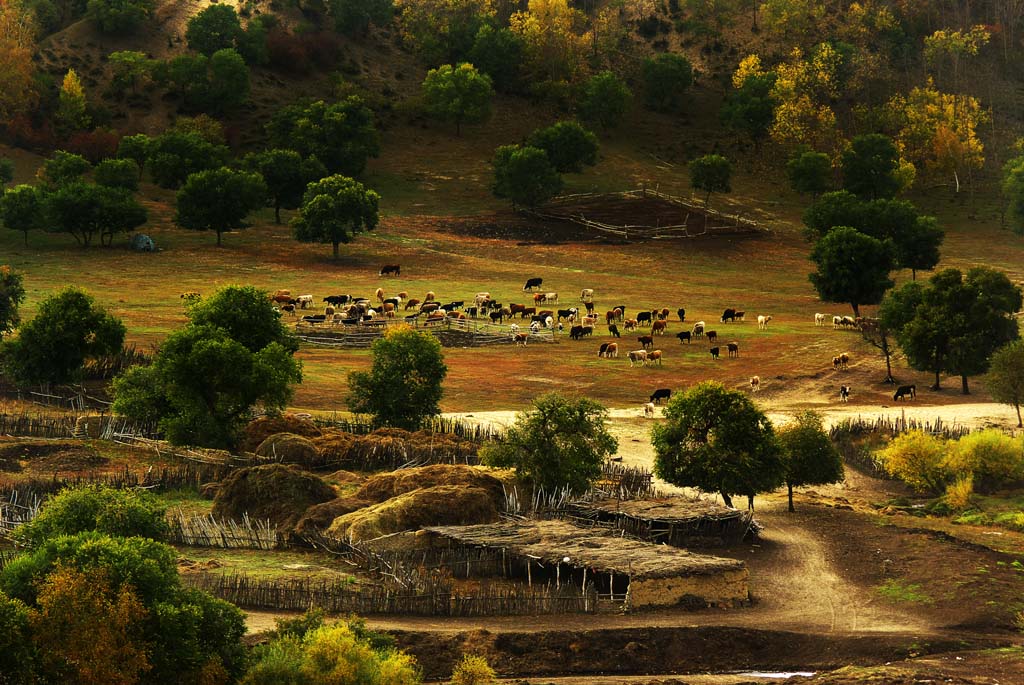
(630, 324)
(712, 336)
(409, 304)
(646, 341)
(659, 327)
(654, 356)
(734, 349)
(612, 350)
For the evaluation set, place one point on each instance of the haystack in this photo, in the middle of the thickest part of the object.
(384, 486)
(276, 492)
(289, 448)
(436, 506)
(319, 517)
(334, 446)
(262, 428)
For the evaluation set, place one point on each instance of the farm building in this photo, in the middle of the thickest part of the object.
(675, 521)
(633, 572)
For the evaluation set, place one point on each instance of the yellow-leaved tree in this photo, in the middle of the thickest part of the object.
(17, 44)
(71, 112)
(553, 34)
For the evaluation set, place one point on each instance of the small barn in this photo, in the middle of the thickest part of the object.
(675, 521)
(635, 573)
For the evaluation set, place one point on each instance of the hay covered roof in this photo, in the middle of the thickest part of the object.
(591, 548)
(667, 509)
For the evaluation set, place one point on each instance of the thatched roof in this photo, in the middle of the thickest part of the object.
(665, 509)
(595, 549)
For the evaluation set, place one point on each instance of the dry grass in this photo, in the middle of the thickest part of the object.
(276, 492)
(384, 486)
(262, 428)
(289, 448)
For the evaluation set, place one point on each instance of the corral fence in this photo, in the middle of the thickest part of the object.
(449, 332)
(175, 477)
(75, 425)
(581, 209)
(206, 531)
(856, 438)
(450, 425)
(18, 504)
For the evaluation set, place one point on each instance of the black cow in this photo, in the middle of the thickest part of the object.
(498, 316)
(844, 393)
(337, 300)
(684, 336)
(714, 352)
(604, 348)
(905, 391)
(647, 341)
(661, 394)
(472, 311)
(451, 306)
(621, 308)
(681, 313)
(644, 317)
(566, 313)
(576, 332)
(393, 300)
(390, 270)
(532, 283)
(587, 331)
(613, 330)
(729, 315)
(315, 318)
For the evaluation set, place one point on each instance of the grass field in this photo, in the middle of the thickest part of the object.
(429, 176)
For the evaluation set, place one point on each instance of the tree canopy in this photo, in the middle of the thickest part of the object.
(852, 267)
(219, 200)
(1005, 379)
(21, 209)
(605, 100)
(12, 295)
(809, 172)
(568, 145)
(717, 440)
(334, 210)
(810, 456)
(525, 175)
(286, 174)
(712, 174)
(870, 167)
(403, 386)
(341, 135)
(214, 28)
(120, 16)
(667, 77)
(175, 155)
(458, 94)
(558, 443)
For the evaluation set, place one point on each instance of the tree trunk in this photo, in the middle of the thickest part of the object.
(726, 499)
(750, 502)
(937, 386)
(707, 201)
(888, 366)
(963, 384)
(856, 308)
(913, 274)
(335, 244)
(1020, 424)
(790, 486)
(218, 239)
(754, 25)
(26, 238)
(277, 213)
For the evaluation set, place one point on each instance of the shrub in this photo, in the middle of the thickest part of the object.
(991, 456)
(568, 145)
(118, 173)
(125, 513)
(120, 16)
(17, 654)
(605, 100)
(916, 458)
(473, 670)
(958, 493)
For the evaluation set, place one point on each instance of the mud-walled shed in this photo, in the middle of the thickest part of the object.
(637, 573)
(675, 521)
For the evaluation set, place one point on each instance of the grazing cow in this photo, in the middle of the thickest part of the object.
(684, 336)
(589, 306)
(289, 308)
(654, 356)
(328, 311)
(603, 349)
(532, 283)
(728, 315)
(755, 384)
(681, 313)
(304, 301)
(714, 352)
(545, 313)
(589, 321)
(646, 341)
(841, 361)
(613, 330)
(712, 336)
(637, 357)
(389, 307)
(538, 298)
(844, 393)
(429, 297)
(380, 294)
(740, 315)
(610, 316)
(393, 301)
(644, 318)
(498, 316)
(630, 324)
(473, 311)
(482, 299)
(661, 394)
(550, 298)
(819, 319)
(762, 322)
(281, 293)
(516, 308)
(535, 327)
(520, 338)
(434, 318)
(576, 332)
(569, 313)
(837, 321)
(905, 391)
(587, 331)
(527, 311)
(613, 351)
(659, 327)
(390, 270)
(314, 318)
(338, 300)
(282, 299)
(848, 322)
(587, 295)
(698, 329)
(734, 349)
(649, 410)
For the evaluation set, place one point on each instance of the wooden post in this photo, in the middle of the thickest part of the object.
(529, 578)
(558, 575)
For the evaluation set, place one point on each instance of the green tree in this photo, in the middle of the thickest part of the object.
(937, 325)
(525, 175)
(750, 108)
(666, 80)
(712, 174)
(68, 329)
(6, 172)
(558, 443)
(605, 100)
(355, 16)
(63, 167)
(717, 440)
(17, 651)
(85, 211)
(228, 82)
(123, 513)
(247, 315)
(811, 458)
(252, 43)
(442, 31)
(12, 295)
(1005, 379)
(341, 135)
(72, 110)
(120, 16)
(130, 69)
(334, 210)
(21, 209)
(403, 385)
(286, 174)
(918, 243)
(136, 148)
(568, 145)
(174, 156)
(809, 173)
(499, 53)
(458, 94)
(1013, 191)
(219, 200)
(118, 173)
(870, 167)
(214, 28)
(852, 267)
(836, 208)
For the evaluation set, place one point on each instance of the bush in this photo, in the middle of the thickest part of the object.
(568, 145)
(124, 513)
(118, 173)
(17, 654)
(120, 16)
(666, 79)
(916, 458)
(958, 493)
(991, 456)
(473, 670)
(605, 100)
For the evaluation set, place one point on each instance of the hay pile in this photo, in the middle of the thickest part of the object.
(289, 448)
(384, 486)
(334, 445)
(436, 506)
(319, 517)
(262, 428)
(393, 447)
(276, 492)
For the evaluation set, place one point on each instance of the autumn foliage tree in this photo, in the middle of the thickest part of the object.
(17, 72)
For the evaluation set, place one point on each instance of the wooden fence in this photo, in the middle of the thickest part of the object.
(449, 332)
(18, 504)
(206, 531)
(105, 426)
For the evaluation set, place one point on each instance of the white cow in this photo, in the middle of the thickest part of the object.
(819, 319)
(762, 322)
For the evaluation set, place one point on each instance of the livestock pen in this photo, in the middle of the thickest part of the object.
(449, 332)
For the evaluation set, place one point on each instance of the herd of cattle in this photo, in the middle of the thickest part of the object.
(346, 309)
